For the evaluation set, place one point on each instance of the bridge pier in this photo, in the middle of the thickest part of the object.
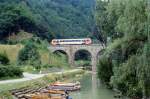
(71, 60)
(94, 63)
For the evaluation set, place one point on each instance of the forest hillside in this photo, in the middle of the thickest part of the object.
(47, 18)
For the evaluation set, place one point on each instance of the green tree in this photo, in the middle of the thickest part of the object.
(29, 56)
(12, 18)
(143, 70)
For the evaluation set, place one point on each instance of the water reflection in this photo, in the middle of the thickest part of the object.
(92, 89)
(94, 85)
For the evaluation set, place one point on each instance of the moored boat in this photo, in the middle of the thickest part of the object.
(65, 86)
(51, 95)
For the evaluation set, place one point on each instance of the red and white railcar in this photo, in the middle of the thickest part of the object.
(83, 41)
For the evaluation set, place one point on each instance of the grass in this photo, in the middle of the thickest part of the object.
(11, 51)
(54, 60)
(22, 35)
(83, 63)
(29, 69)
(52, 77)
(6, 78)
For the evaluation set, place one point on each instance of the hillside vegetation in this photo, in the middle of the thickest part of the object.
(46, 18)
(126, 59)
(65, 18)
(31, 55)
(46, 56)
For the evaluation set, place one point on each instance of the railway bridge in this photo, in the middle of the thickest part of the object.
(70, 50)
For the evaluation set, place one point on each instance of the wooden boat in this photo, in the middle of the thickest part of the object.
(53, 91)
(64, 86)
(45, 96)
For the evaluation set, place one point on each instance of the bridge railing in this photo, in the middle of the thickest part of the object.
(77, 45)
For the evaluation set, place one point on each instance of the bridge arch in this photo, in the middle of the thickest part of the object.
(60, 51)
(82, 57)
(65, 55)
(83, 51)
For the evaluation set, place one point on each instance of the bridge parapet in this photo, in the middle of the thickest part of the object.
(76, 45)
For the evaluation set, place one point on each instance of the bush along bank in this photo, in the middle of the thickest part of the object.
(125, 63)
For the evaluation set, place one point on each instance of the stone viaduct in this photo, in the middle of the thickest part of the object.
(70, 50)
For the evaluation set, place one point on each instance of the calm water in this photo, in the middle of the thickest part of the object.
(92, 89)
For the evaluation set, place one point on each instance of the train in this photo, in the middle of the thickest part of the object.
(83, 41)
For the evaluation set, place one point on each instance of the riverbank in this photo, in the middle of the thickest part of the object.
(40, 82)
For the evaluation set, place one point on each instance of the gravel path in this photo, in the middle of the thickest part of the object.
(27, 76)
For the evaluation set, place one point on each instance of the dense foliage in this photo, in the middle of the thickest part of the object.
(29, 56)
(6, 70)
(17, 16)
(65, 18)
(125, 26)
(10, 71)
(105, 66)
(47, 18)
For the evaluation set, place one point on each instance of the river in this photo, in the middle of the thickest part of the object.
(92, 89)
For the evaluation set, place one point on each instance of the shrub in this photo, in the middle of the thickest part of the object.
(48, 66)
(4, 58)
(10, 71)
(105, 69)
(29, 56)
